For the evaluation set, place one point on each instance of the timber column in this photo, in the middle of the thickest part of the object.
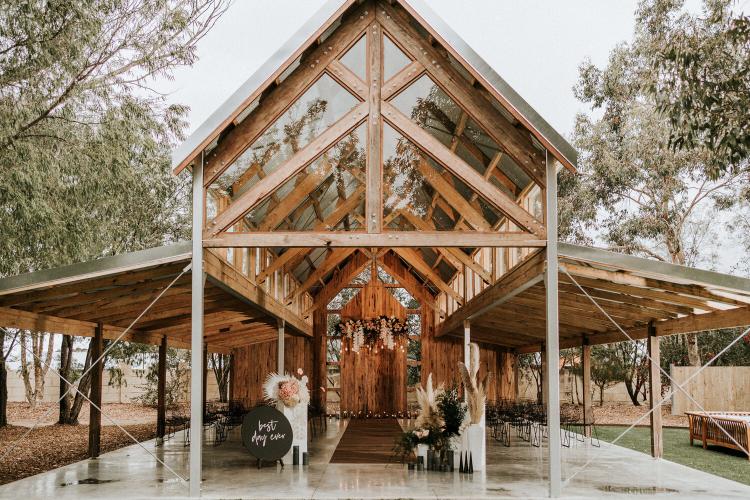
(95, 416)
(161, 392)
(654, 393)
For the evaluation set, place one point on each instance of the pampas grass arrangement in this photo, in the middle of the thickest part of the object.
(476, 391)
(429, 413)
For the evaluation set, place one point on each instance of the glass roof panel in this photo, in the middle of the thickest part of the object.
(433, 110)
(417, 192)
(355, 58)
(394, 60)
(308, 201)
(317, 109)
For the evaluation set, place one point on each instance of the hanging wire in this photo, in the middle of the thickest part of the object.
(12, 446)
(49, 367)
(674, 383)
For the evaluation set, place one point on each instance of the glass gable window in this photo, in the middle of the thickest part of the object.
(355, 58)
(311, 197)
(416, 188)
(432, 109)
(317, 109)
(394, 60)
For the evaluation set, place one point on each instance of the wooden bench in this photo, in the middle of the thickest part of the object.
(703, 426)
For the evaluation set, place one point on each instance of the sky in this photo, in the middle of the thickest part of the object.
(535, 45)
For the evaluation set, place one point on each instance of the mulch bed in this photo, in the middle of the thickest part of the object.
(53, 446)
(626, 414)
(21, 413)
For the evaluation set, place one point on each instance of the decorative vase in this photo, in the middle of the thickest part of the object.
(422, 452)
(297, 416)
(474, 443)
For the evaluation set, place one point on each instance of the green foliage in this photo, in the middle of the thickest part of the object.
(84, 145)
(177, 369)
(453, 410)
(702, 78)
(642, 195)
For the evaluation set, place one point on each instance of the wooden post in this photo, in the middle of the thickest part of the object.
(280, 347)
(467, 341)
(95, 393)
(588, 411)
(161, 390)
(516, 378)
(657, 443)
(65, 361)
(231, 377)
(206, 367)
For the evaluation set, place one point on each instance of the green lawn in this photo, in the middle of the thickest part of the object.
(719, 461)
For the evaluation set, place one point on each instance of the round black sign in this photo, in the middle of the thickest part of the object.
(266, 433)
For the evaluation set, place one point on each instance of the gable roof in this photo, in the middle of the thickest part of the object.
(317, 29)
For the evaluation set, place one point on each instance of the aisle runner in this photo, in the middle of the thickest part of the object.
(367, 441)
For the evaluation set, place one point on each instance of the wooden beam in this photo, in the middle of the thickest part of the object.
(654, 393)
(349, 80)
(341, 279)
(280, 98)
(517, 143)
(374, 202)
(393, 266)
(525, 275)
(334, 259)
(462, 170)
(352, 239)
(412, 257)
(263, 188)
(402, 79)
(225, 276)
(95, 392)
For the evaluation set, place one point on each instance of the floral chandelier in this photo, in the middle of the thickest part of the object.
(385, 332)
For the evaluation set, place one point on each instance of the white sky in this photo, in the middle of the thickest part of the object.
(536, 45)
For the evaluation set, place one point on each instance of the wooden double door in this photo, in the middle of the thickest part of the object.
(373, 382)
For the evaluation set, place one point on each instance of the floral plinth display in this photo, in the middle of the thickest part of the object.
(476, 396)
(291, 396)
(473, 442)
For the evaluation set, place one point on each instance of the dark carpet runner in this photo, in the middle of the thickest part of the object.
(368, 441)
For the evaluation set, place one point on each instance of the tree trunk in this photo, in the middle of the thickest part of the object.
(601, 395)
(66, 356)
(84, 384)
(694, 355)
(632, 392)
(28, 389)
(3, 391)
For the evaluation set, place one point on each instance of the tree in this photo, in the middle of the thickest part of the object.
(84, 143)
(650, 199)
(530, 366)
(220, 365)
(178, 368)
(8, 338)
(605, 372)
(39, 361)
(702, 78)
(632, 364)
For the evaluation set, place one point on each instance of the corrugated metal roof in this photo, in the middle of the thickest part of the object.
(327, 17)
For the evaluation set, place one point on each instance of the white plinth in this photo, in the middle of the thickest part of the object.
(474, 441)
(297, 417)
(422, 452)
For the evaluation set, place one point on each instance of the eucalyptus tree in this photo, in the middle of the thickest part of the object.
(648, 198)
(84, 142)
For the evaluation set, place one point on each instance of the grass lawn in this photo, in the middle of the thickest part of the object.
(719, 461)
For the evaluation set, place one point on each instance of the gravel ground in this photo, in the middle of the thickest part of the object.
(122, 413)
(53, 446)
(626, 414)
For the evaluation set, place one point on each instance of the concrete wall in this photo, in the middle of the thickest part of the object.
(716, 388)
(131, 389)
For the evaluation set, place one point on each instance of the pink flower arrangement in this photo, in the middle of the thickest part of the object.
(289, 392)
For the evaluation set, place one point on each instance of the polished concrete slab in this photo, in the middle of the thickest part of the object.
(229, 472)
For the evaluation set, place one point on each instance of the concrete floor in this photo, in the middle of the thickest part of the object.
(229, 472)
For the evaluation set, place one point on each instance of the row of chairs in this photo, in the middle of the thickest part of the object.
(529, 420)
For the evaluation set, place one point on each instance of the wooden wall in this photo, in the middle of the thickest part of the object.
(253, 363)
(373, 381)
(440, 356)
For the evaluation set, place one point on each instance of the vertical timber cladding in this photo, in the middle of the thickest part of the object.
(253, 363)
(372, 381)
(440, 356)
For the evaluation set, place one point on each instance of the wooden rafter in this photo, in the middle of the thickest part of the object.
(334, 258)
(413, 258)
(462, 170)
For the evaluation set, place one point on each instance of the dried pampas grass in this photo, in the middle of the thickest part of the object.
(476, 391)
(429, 414)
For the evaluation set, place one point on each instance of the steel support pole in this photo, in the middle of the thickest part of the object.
(552, 374)
(280, 360)
(467, 341)
(196, 335)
